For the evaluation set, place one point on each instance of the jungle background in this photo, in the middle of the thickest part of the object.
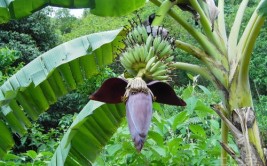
(188, 136)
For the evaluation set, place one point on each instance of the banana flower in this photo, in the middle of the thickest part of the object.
(138, 96)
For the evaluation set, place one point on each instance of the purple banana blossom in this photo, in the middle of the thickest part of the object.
(138, 97)
(139, 114)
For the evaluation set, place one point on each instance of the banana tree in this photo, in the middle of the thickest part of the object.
(146, 52)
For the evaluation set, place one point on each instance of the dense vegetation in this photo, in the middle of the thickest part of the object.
(186, 136)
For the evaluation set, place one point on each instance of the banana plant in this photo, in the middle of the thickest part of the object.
(226, 65)
(146, 52)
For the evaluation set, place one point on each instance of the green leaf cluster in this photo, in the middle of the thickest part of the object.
(31, 36)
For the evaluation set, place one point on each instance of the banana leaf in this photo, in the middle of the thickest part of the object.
(88, 134)
(31, 91)
(14, 9)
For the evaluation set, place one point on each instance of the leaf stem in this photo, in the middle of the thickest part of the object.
(202, 39)
(205, 22)
(233, 36)
(248, 47)
(193, 68)
(196, 52)
(163, 10)
(221, 21)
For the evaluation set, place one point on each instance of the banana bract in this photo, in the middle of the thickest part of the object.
(138, 96)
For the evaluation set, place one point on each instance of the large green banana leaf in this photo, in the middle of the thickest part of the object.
(36, 86)
(89, 132)
(14, 9)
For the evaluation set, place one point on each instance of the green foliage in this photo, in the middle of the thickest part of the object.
(21, 42)
(31, 36)
(7, 59)
(262, 9)
(91, 23)
(258, 72)
(64, 21)
(36, 147)
(261, 111)
(29, 158)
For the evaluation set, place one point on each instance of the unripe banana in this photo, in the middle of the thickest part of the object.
(150, 54)
(161, 46)
(149, 42)
(147, 51)
(143, 53)
(167, 50)
(141, 29)
(159, 73)
(137, 35)
(139, 53)
(150, 62)
(131, 52)
(136, 54)
(127, 42)
(162, 67)
(169, 59)
(125, 62)
(130, 56)
(131, 38)
(161, 77)
(156, 42)
(155, 66)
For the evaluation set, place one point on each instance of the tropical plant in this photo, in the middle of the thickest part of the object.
(31, 36)
(7, 59)
(225, 60)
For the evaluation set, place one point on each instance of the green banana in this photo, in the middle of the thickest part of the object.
(125, 62)
(128, 59)
(155, 66)
(159, 73)
(142, 53)
(156, 42)
(132, 53)
(167, 50)
(162, 67)
(161, 46)
(130, 56)
(143, 32)
(136, 54)
(169, 59)
(137, 35)
(149, 42)
(161, 78)
(150, 54)
(131, 38)
(150, 62)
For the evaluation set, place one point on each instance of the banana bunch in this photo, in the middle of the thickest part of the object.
(162, 48)
(138, 35)
(134, 59)
(149, 54)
